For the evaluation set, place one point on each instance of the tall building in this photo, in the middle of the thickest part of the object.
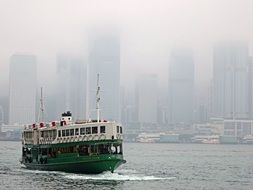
(104, 59)
(22, 94)
(181, 87)
(71, 86)
(1, 116)
(251, 87)
(147, 98)
(230, 88)
(4, 107)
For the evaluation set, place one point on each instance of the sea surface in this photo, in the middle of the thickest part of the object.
(149, 166)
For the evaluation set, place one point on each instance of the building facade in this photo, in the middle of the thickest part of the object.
(181, 87)
(251, 87)
(230, 88)
(71, 86)
(147, 99)
(104, 59)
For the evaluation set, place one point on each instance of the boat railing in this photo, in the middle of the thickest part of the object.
(88, 137)
(28, 141)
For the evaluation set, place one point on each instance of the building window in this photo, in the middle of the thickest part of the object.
(94, 130)
(88, 131)
(102, 129)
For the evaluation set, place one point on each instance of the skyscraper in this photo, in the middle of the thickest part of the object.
(104, 59)
(230, 88)
(22, 95)
(71, 86)
(251, 87)
(147, 98)
(1, 116)
(181, 87)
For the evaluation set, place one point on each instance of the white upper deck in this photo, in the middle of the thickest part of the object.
(65, 132)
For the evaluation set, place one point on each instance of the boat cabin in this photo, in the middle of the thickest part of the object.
(72, 132)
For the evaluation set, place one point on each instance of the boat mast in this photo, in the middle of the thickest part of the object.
(98, 99)
(41, 112)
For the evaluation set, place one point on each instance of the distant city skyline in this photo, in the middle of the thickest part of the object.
(73, 92)
(146, 38)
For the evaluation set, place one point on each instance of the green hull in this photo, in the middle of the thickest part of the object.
(75, 162)
(94, 165)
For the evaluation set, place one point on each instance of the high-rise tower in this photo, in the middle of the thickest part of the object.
(230, 84)
(71, 86)
(147, 98)
(181, 87)
(104, 59)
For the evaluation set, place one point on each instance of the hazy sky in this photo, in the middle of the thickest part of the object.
(149, 29)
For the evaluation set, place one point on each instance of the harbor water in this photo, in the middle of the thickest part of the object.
(149, 166)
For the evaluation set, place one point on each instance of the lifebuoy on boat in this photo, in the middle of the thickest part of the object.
(95, 137)
(102, 137)
(85, 138)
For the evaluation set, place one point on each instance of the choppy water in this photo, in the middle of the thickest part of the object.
(149, 166)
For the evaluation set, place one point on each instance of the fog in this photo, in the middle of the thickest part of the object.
(149, 30)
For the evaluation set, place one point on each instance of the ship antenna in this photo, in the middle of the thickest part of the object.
(98, 99)
(41, 112)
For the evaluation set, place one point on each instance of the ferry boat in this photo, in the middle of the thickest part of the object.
(91, 146)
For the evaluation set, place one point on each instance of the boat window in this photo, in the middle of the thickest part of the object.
(71, 132)
(120, 129)
(63, 133)
(83, 150)
(54, 134)
(94, 130)
(88, 131)
(67, 132)
(59, 133)
(82, 131)
(45, 134)
(28, 135)
(42, 134)
(102, 129)
(117, 129)
(77, 131)
(44, 151)
(50, 134)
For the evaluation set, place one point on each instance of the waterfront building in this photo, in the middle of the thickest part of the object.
(181, 87)
(22, 89)
(238, 128)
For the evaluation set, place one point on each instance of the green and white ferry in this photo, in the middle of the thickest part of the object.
(91, 146)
